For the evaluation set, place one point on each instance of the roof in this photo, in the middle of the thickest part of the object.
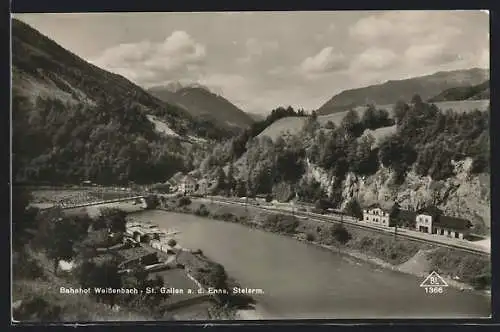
(176, 278)
(407, 215)
(103, 257)
(188, 178)
(191, 260)
(430, 210)
(376, 206)
(133, 253)
(453, 223)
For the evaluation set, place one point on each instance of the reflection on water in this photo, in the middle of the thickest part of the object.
(301, 280)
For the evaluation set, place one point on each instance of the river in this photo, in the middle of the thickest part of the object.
(301, 280)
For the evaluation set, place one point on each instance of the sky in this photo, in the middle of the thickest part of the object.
(261, 60)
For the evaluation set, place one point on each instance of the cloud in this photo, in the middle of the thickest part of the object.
(431, 54)
(278, 70)
(408, 26)
(327, 60)
(484, 59)
(229, 85)
(331, 28)
(148, 63)
(375, 58)
(255, 48)
(427, 38)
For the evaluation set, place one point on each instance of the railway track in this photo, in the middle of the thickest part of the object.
(350, 221)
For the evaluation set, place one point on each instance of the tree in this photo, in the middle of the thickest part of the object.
(151, 301)
(394, 211)
(184, 201)
(311, 124)
(400, 110)
(322, 204)
(230, 180)
(221, 180)
(289, 165)
(310, 190)
(101, 274)
(340, 234)
(330, 125)
(281, 223)
(114, 219)
(351, 123)
(369, 118)
(61, 235)
(23, 217)
(416, 100)
(394, 217)
(37, 308)
(241, 188)
(152, 202)
(353, 209)
(314, 115)
(398, 155)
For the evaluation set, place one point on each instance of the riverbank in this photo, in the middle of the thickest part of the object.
(417, 265)
(410, 258)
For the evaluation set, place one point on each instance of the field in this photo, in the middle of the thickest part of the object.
(293, 125)
(289, 124)
(381, 133)
(161, 126)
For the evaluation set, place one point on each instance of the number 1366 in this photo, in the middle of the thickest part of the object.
(434, 290)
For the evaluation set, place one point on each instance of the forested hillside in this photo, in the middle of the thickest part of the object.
(427, 142)
(75, 121)
(474, 92)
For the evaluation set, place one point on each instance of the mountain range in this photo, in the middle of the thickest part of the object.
(391, 91)
(200, 102)
(73, 120)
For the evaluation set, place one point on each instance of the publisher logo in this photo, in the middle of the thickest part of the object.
(434, 284)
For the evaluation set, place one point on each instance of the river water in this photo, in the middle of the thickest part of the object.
(301, 280)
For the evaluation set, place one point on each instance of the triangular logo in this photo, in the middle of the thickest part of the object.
(433, 280)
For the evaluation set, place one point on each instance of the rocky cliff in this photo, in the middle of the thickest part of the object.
(462, 196)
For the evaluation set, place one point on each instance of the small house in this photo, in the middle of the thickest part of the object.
(432, 220)
(203, 185)
(187, 185)
(136, 256)
(375, 214)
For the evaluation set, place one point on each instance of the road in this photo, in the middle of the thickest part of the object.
(458, 244)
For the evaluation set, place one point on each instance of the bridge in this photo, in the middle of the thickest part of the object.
(65, 205)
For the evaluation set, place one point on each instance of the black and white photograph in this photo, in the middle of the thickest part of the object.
(250, 166)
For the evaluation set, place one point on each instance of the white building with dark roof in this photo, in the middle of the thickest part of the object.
(375, 214)
(187, 185)
(432, 220)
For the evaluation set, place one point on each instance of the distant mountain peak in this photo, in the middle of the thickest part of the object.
(176, 86)
(200, 101)
(173, 86)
